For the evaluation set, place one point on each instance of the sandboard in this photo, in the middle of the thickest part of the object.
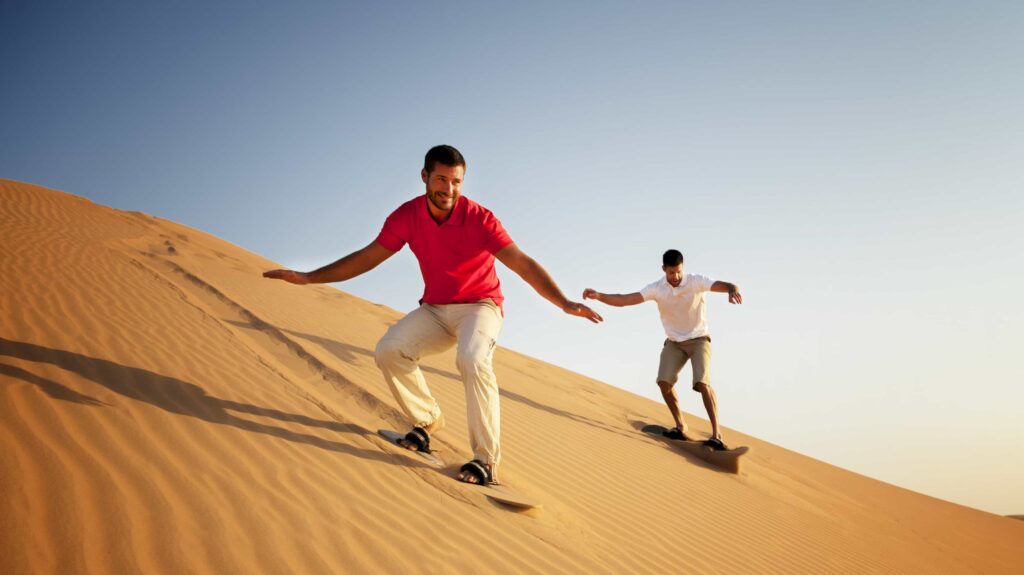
(394, 436)
(502, 494)
(498, 493)
(728, 460)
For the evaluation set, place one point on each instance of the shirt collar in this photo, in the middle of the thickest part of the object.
(457, 218)
(675, 289)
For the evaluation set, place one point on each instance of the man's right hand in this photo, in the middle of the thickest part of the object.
(590, 294)
(290, 276)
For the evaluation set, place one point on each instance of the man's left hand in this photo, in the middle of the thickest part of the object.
(578, 309)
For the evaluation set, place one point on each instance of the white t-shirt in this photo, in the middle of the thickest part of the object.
(682, 308)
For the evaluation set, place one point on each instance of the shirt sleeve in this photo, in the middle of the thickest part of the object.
(703, 283)
(395, 233)
(495, 238)
(650, 291)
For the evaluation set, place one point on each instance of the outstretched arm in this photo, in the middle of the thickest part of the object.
(615, 299)
(538, 278)
(348, 267)
(731, 289)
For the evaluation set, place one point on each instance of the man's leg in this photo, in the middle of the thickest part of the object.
(700, 352)
(672, 361)
(476, 327)
(711, 405)
(398, 353)
(668, 391)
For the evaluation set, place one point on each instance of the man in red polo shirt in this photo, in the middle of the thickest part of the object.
(456, 241)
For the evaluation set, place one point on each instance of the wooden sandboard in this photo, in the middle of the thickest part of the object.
(728, 460)
(498, 493)
(502, 494)
(394, 436)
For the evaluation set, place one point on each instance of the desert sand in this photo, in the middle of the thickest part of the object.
(165, 409)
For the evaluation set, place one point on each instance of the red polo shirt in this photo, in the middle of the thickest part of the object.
(457, 257)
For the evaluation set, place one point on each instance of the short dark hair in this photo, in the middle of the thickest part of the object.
(443, 154)
(671, 258)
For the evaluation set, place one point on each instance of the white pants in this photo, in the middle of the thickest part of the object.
(431, 329)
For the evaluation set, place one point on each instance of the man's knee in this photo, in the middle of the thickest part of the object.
(702, 388)
(388, 350)
(665, 385)
(473, 361)
(474, 355)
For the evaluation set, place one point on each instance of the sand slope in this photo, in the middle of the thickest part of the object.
(164, 409)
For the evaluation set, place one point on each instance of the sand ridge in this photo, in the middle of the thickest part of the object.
(164, 409)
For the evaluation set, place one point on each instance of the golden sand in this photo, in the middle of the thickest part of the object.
(164, 409)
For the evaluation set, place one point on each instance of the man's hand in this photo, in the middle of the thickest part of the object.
(578, 309)
(590, 294)
(734, 295)
(348, 267)
(730, 288)
(290, 276)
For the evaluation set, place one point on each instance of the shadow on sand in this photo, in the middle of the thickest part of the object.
(347, 353)
(172, 395)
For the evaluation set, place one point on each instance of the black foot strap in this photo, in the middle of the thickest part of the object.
(479, 470)
(675, 433)
(420, 438)
(716, 444)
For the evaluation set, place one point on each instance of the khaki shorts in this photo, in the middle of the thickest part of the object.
(674, 355)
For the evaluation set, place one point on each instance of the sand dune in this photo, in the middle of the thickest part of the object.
(164, 409)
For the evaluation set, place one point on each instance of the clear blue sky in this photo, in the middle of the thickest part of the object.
(854, 167)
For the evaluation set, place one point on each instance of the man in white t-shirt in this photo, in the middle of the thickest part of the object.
(680, 299)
